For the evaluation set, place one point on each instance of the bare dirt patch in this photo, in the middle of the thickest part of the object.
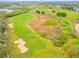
(49, 32)
(43, 30)
(38, 24)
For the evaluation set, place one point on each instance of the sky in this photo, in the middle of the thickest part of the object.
(39, 0)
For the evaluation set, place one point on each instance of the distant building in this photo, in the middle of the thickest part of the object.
(7, 10)
(58, 6)
(76, 9)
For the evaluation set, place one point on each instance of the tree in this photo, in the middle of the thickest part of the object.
(3, 38)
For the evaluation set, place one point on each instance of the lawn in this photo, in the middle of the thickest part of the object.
(37, 45)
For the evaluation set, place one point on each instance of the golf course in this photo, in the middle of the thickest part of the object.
(31, 28)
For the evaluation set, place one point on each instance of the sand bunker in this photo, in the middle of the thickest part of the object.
(77, 28)
(21, 46)
(10, 25)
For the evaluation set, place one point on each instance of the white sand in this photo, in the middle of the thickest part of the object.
(11, 25)
(77, 28)
(21, 46)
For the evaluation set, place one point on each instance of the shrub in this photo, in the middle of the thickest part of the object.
(38, 11)
(61, 14)
(42, 12)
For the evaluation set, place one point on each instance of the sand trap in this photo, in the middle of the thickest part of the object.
(21, 46)
(11, 25)
(77, 28)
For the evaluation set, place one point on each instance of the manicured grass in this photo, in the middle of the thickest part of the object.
(37, 45)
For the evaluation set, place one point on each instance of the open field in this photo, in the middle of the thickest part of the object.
(30, 27)
(39, 29)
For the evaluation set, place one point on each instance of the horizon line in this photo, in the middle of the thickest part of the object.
(35, 0)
